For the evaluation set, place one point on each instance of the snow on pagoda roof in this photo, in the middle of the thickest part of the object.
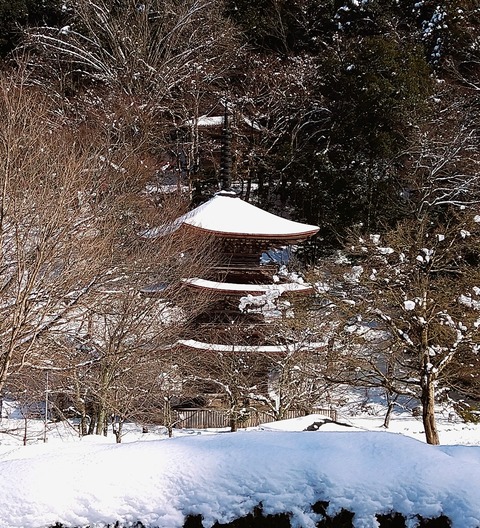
(228, 216)
(253, 289)
(265, 349)
(218, 121)
(207, 121)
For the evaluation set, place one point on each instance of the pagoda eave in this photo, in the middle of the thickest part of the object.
(248, 289)
(263, 349)
(267, 238)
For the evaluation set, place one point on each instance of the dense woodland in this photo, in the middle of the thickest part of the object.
(359, 116)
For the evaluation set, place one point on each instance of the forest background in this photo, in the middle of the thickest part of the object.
(361, 117)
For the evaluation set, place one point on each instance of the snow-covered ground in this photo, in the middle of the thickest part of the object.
(221, 476)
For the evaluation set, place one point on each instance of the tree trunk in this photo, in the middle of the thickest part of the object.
(391, 405)
(102, 411)
(249, 190)
(280, 413)
(92, 423)
(427, 383)
(25, 430)
(102, 426)
(117, 426)
(428, 409)
(84, 419)
(168, 416)
(83, 428)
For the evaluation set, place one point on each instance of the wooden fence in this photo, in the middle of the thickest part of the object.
(214, 418)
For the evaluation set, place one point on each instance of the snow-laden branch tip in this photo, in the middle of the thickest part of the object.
(467, 300)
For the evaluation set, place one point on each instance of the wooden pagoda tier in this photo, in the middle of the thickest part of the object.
(242, 230)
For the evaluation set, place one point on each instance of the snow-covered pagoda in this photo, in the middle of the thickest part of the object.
(243, 233)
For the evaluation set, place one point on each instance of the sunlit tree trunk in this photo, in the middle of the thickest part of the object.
(428, 409)
(391, 401)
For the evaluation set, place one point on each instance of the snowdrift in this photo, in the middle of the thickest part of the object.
(225, 476)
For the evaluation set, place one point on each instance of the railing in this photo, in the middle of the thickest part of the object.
(215, 419)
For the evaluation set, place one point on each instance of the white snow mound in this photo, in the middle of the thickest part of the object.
(224, 476)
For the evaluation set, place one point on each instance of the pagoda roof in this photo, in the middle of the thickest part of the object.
(253, 289)
(264, 349)
(228, 216)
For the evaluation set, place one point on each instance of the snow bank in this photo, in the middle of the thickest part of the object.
(224, 476)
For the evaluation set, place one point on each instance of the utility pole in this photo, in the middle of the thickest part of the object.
(45, 423)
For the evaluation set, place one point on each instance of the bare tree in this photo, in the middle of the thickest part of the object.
(233, 375)
(296, 381)
(81, 292)
(120, 341)
(155, 46)
(54, 240)
(417, 282)
(365, 357)
(284, 114)
(415, 292)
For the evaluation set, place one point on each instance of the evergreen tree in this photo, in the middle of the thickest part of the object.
(372, 93)
(17, 14)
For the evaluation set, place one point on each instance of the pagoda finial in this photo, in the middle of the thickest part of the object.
(226, 153)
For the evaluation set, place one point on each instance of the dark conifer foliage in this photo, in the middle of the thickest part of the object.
(16, 14)
(271, 25)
